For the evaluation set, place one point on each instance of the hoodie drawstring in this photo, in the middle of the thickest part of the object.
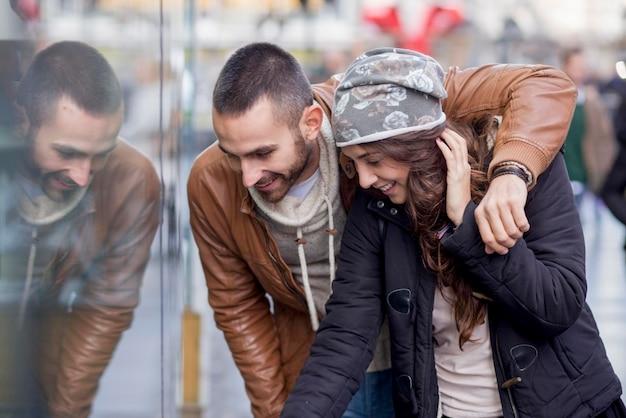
(308, 293)
(331, 239)
(29, 279)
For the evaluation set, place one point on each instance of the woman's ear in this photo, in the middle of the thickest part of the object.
(311, 121)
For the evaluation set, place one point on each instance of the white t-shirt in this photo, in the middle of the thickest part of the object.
(467, 379)
(301, 190)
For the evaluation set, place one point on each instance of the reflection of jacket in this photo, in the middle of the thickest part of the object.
(110, 247)
(241, 261)
(548, 356)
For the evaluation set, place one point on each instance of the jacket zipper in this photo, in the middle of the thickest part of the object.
(428, 371)
(70, 303)
(285, 277)
(508, 387)
(277, 264)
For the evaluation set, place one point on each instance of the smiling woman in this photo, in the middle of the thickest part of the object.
(380, 172)
(472, 334)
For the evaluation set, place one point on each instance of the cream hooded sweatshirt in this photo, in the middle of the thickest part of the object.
(308, 233)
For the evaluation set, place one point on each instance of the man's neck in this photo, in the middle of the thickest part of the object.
(302, 189)
(313, 163)
(27, 169)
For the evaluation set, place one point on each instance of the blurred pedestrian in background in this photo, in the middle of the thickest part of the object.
(615, 185)
(590, 144)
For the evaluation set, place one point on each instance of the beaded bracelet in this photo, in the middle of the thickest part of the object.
(507, 168)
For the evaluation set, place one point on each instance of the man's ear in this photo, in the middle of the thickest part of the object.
(311, 121)
(22, 125)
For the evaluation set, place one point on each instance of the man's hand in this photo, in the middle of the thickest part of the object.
(500, 215)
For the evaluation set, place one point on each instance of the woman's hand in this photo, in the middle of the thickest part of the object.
(454, 149)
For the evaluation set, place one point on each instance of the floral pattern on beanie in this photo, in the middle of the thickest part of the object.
(396, 120)
(386, 92)
(419, 81)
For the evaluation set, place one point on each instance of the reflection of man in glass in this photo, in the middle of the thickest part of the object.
(78, 236)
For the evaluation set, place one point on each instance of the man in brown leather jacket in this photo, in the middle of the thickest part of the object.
(77, 229)
(268, 201)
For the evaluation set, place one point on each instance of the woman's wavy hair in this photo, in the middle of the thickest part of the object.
(426, 203)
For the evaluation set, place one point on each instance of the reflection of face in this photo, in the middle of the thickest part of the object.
(71, 146)
(383, 173)
(270, 156)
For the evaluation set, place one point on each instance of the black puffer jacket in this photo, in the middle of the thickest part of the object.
(550, 361)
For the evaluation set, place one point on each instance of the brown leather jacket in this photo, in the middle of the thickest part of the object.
(241, 261)
(109, 251)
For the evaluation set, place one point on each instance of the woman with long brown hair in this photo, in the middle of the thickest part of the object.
(472, 334)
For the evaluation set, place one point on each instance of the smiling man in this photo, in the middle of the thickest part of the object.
(77, 233)
(266, 166)
(268, 204)
(70, 147)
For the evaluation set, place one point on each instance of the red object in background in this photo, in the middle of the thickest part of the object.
(385, 18)
(437, 22)
(27, 9)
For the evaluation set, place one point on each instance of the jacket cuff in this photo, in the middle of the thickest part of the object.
(462, 240)
(521, 152)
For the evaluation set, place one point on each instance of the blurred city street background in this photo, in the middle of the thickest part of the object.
(168, 54)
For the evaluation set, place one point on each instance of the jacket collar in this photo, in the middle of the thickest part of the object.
(391, 212)
(247, 204)
(89, 203)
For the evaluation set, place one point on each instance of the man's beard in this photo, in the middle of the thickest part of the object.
(55, 193)
(45, 179)
(303, 156)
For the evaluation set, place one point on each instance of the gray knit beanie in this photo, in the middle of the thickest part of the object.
(388, 92)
